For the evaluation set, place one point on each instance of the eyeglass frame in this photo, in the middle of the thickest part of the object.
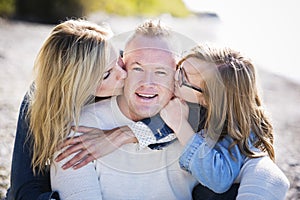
(182, 80)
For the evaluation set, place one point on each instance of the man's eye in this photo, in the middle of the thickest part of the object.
(106, 75)
(161, 73)
(137, 69)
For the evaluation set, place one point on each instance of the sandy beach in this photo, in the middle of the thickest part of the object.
(20, 42)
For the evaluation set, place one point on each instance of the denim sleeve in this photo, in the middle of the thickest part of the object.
(23, 184)
(212, 166)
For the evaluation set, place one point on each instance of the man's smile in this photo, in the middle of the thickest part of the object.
(146, 96)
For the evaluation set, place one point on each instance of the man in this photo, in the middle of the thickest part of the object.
(130, 172)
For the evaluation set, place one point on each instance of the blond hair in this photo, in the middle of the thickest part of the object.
(68, 69)
(153, 29)
(234, 105)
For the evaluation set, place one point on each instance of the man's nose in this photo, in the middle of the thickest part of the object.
(149, 78)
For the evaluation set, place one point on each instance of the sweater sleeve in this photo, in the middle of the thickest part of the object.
(72, 184)
(212, 165)
(261, 178)
(82, 183)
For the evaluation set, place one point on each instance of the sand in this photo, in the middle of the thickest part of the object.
(20, 42)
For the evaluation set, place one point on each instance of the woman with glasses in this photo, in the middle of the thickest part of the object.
(236, 128)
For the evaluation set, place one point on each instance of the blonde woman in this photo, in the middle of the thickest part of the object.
(75, 64)
(236, 128)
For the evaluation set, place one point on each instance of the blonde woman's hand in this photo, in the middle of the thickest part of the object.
(93, 144)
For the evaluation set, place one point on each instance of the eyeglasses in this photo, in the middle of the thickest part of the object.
(182, 80)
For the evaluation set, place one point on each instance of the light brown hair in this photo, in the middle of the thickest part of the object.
(234, 105)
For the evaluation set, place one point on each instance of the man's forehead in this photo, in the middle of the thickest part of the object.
(150, 43)
(149, 52)
(154, 57)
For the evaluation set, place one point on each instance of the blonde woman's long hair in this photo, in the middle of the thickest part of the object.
(68, 69)
(234, 106)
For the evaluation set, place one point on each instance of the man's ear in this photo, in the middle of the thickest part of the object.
(120, 59)
(120, 62)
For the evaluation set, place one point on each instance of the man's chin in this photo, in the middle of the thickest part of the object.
(148, 112)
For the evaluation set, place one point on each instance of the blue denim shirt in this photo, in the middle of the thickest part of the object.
(213, 166)
(23, 184)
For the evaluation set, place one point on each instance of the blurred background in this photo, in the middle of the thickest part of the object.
(273, 25)
(51, 11)
(267, 31)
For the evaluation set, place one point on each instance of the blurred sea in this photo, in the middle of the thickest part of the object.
(268, 31)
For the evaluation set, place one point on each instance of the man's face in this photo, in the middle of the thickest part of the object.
(150, 80)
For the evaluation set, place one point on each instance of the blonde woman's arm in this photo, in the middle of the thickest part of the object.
(93, 144)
